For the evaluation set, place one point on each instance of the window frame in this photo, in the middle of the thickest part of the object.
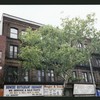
(90, 77)
(44, 77)
(74, 74)
(23, 32)
(79, 45)
(85, 76)
(98, 62)
(51, 76)
(13, 33)
(26, 76)
(13, 53)
(41, 75)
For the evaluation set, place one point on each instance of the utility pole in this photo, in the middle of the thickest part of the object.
(91, 69)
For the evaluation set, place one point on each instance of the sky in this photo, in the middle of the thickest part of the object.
(51, 14)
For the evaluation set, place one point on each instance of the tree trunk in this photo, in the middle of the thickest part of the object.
(64, 87)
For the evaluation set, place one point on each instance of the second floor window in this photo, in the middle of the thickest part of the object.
(44, 75)
(74, 74)
(13, 33)
(79, 45)
(41, 77)
(90, 77)
(13, 51)
(50, 75)
(23, 32)
(84, 76)
(98, 62)
(26, 78)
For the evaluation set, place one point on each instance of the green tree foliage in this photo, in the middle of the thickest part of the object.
(60, 49)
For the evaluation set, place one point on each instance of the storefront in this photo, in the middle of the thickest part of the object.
(32, 90)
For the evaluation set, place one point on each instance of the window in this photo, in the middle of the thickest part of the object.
(74, 74)
(50, 75)
(26, 76)
(12, 74)
(84, 45)
(41, 77)
(81, 64)
(79, 45)
(13, 51)
(98, 62)
(90, 77)
(94, 76)
(23, 32)
(84, 64)
(84, 76)
(13, 33)
(99, 77)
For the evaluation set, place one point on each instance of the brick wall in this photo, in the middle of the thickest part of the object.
(2, 49)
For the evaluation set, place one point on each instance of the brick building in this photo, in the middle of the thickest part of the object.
(11, 71)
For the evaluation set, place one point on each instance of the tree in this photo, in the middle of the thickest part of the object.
(60, 49)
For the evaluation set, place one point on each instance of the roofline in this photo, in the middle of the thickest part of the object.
(21, 19)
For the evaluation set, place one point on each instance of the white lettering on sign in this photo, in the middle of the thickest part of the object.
(53, 90)
(23, 90)
(33, 90)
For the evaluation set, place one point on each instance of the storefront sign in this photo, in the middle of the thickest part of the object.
(33, 90)
(53, 90)
(23, 90)
(84, 89)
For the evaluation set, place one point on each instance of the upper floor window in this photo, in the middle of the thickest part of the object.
(90, 77)
(26, 78)
(23, 32)
(41, 77)
(24, 75)
(84, 45)
(79, 45)
(98, 62)
(84, 76)
(50, 75)
(44, 75)
(13, 33)
(13, 51)
(74, 74)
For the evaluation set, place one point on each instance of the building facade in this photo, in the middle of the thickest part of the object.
(12, 72)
